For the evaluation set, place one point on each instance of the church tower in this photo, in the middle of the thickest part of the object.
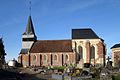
(28, 37)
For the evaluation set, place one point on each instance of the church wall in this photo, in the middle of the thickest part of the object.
(87, 51)
(49, 58)
(19, 59)
(99, 55)
(58, 61)
(101, 52)
(34, 58)
(86, 44)
(47, 61)
(25, 60)
(27, 45)
(71, 59)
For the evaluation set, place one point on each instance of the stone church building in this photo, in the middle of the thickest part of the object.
(116, 55)
(84, 47)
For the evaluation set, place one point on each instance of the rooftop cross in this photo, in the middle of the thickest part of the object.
(108, 58)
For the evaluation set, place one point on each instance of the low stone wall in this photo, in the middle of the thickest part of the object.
(66, 77)
(57, 77)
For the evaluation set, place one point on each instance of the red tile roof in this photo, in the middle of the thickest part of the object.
(44, 46)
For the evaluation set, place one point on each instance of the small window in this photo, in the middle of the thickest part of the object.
(55, 57)
(34, 57)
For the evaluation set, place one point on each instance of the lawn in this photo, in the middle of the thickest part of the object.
(116, 77)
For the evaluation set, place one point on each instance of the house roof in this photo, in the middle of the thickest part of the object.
(29, 27)
(116, 46)
(86, 33)
(44, 46)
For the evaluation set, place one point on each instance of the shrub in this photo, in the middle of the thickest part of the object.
(74, 74)
(59, 68)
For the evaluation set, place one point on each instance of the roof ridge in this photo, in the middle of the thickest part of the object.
(83, 28)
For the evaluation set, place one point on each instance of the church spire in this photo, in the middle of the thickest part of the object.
(29, 27)
(28, 37)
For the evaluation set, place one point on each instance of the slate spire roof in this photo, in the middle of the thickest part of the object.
(85, 33)
(29, 28)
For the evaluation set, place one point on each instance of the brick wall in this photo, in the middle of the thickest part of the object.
(101, 53)
(87, 52)
(101, 49)
(116, 59)
(34, 59)
(24, 60)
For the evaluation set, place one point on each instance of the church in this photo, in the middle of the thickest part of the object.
(85, 46)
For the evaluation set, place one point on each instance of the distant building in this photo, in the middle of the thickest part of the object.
(116, 55)
(12, 63)
(84, 47)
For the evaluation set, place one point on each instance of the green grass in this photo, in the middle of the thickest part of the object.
(117, 77)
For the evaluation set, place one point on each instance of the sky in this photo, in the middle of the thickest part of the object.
(54, 19)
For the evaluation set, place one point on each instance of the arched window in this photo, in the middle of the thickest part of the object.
(40, 57)
(66, 57)
(80, 52)
(92, 52)
(45, 57)
(55, 57)
(34, 57)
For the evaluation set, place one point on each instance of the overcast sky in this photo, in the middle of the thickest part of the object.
(54, 19)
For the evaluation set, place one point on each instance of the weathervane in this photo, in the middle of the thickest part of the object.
(30, 6)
